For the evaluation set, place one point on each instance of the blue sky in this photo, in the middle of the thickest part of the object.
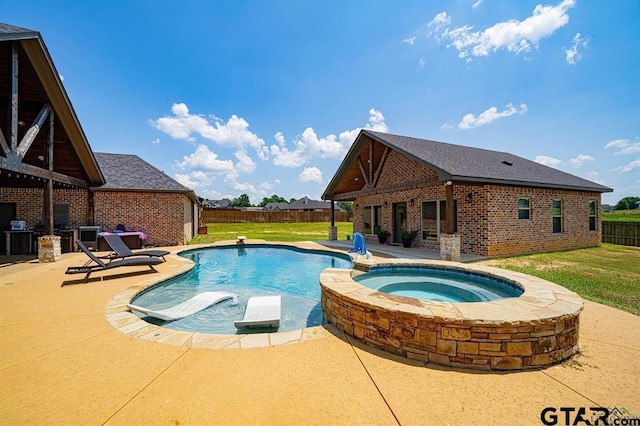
(264, 97)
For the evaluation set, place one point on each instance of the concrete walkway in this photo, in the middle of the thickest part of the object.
(62, 363)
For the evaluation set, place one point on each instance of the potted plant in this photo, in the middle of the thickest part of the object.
(407, 238)
(382, 236)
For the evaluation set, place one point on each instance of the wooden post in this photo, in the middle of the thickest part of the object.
(48, 189)
(14, 97)
(333, 213)
(450, 208)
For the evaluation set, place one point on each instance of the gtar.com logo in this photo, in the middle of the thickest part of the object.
(589, 416)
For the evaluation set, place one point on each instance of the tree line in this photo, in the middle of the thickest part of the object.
(244, 201)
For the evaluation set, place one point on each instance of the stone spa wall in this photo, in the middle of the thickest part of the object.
(537, 329)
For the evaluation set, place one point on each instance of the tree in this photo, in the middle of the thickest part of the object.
(273, 199)
(347, 206)
(628, 203)
(241, 201)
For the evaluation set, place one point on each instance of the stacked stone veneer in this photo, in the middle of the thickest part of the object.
(537, 329)
(487, 218)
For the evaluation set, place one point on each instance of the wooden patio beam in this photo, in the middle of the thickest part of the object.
(33, 131)
(3, 142)
(364, 173)
(14, 97)
(376, 176)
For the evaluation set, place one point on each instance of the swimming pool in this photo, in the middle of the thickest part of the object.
(251, 270)
(437, 284)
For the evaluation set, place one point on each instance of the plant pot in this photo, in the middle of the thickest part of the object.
(202, 230)
(382, 239)
(406, 242)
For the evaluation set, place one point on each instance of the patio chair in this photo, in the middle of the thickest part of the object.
(121, 251)
(88, 269)
(359, 247)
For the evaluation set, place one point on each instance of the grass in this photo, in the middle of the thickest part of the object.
(609, 274)
(621, 216)
(300, 231)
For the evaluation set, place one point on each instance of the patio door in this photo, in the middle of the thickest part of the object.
(399, 221)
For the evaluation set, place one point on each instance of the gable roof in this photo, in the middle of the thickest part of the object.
(307, 203)
(463, 163)
(276, 206)
(36, 51)
(126, 172)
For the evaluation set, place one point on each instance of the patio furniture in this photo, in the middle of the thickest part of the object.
(120, 249)
(197, 303)
(262, 311)
(88, 269)
(359, 247)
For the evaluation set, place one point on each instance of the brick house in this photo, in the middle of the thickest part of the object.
(49, 176)
(498, 203)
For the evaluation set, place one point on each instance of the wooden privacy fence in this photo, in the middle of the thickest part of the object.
(622, 233)
(242, 216)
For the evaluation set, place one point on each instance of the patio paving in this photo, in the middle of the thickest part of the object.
(61, 362)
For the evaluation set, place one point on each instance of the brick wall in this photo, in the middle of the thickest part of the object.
(487, 214)
(158, 214)
(30, 204)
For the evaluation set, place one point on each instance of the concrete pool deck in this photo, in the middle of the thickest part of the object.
(61, 362)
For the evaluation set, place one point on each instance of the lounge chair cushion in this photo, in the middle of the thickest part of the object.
(262, 311)
(197, 303)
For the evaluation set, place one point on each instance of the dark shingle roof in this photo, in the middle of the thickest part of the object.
(11, 32)
(130, 172)
(307, 203)
(458, 162)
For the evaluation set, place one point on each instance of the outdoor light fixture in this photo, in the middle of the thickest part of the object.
(448, 183)
(469, 197)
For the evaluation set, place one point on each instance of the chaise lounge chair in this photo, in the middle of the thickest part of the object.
(262, 311)
(196, 304)
(121, 251)
(359, 247)
(88, 269)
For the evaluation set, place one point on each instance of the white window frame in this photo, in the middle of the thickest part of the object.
(556, 216)
(527, 209)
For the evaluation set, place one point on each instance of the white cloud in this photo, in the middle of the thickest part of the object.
(548, 161)
(476, 4)
(572, 53)
(233, 133)
(245, 163)
(156, 141)
(195, 179)
(580, 159)
(595, 177)
(470, 121)
(204, 159)
(624, 146)
(310, 174)
(635, 164)
(308, 145)
(438, 22)
(410, 41)
(513, 35)
(421, 62)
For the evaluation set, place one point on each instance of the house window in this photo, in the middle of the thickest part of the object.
(372, 219)
(524, 209)
(434, 218)
(592, 216)
(60, 215)
(556, 213)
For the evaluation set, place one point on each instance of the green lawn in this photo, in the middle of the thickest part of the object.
(621, 216)
(311, 231)
(609, 274)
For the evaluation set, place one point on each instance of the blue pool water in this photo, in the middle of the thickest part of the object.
(438, 284)
(247, 271)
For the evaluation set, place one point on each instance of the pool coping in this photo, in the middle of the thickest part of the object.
(521, 332)
(122, 319)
